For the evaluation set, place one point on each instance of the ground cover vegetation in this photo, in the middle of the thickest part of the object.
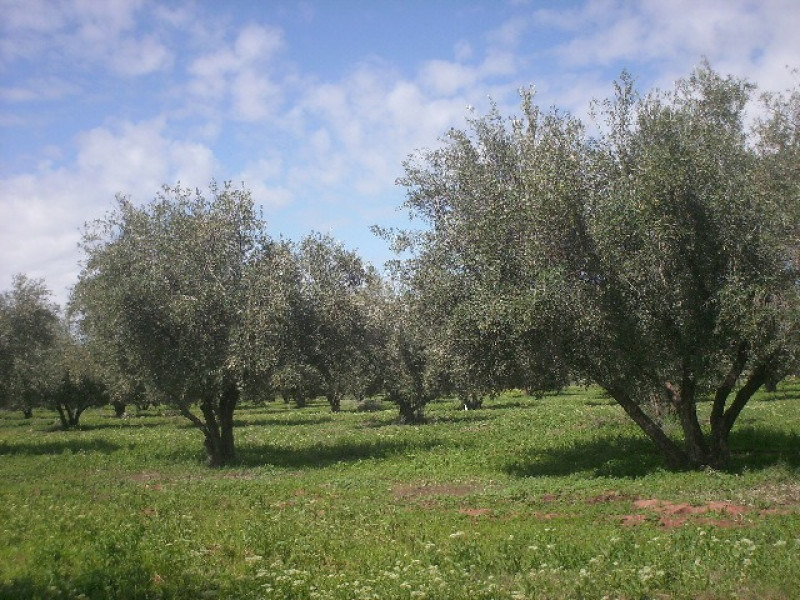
(560, 496)
(652, 254)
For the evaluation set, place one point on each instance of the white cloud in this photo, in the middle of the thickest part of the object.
(262, 177)
(140, 57)
(34, 90)
(239, 74)
(737, 36)
(82, 32)
(445, 77)
(42, 213)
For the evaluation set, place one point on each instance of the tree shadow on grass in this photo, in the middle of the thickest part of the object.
(57, 447)
(325, 455)
(136, 583)
(618, 456)
(123, 424)
(755, 448)
(282, 421)
(506, 404)
(636, 456)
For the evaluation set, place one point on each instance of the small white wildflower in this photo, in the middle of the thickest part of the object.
(457, 534)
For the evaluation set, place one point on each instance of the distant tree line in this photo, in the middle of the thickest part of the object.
(654, 252)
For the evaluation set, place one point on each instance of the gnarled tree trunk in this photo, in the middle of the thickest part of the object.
(217, 424)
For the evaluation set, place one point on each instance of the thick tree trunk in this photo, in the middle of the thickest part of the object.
(217, 424)
(62, 416)
(334, 398)
(471, 400)
(75, 418)
(674, 455)
(411, 413)
(723, 422)
(227, 406)
(720, 451)
(685, 405)
(70, 417)
(119, 409)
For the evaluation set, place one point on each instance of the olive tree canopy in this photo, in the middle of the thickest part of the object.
(191, 292)
(29, 328)
(653, 257)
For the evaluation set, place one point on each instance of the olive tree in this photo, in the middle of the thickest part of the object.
(648, 258)
(194, 295)
(334, 334)
(29, 330)
(79, 384)
(411, 375)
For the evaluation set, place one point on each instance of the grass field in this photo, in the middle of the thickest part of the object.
(558, 497)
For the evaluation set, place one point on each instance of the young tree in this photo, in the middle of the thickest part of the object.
(29, 325)
(79, 384)
(195, 296)
(410, 374)
(649, 259)
(334, 328)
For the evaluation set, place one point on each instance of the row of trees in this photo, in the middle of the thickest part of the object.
(187, 301)
(656, 254)
(41, 363)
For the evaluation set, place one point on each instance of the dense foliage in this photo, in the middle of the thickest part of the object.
(29, 331)
(654, 252)
(654, 257)
(192, 294)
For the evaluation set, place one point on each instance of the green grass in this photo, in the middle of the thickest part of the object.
(526, 498)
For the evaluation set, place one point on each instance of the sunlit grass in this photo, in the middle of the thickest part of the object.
(526, 498)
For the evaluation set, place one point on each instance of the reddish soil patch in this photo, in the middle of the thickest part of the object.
(646, 503)
(631, 520)
(677, 514)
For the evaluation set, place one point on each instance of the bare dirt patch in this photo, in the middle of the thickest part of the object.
(676, 514)
(146, 477)
(476, 512)
(150, 479)
(605, 497)
(424, 490)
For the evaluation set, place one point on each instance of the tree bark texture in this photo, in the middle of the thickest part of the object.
(675, 456)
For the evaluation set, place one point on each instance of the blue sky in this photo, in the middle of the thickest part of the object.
(312, 104)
